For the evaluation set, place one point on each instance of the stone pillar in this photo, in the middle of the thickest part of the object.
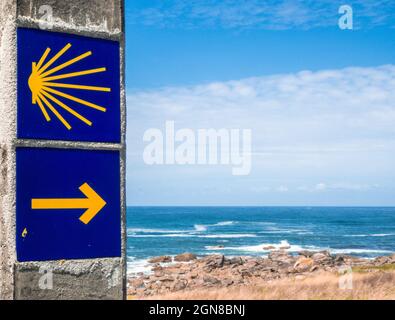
(53, 234)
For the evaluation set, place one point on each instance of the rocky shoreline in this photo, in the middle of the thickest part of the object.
(189, 272)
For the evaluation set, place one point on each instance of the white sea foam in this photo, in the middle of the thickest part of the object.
(297, 248)
(203, 227)
(281, 230)
(356, 235)
(263, 223)
(170, 235)
(135, 232)
(135, 265)
(357, 251)
(144, 230)
(200, 227)
(138, 265)
(224, 223)
(260, 247)
(370, 235)
(229, 235)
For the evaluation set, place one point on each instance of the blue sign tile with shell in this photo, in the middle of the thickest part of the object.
(68, 87)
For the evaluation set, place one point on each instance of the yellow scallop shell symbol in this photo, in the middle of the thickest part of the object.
(42, 83)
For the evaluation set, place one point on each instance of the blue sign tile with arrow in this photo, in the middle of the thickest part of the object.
(68, 204)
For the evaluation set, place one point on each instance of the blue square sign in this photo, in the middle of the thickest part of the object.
(68, 204)
(68, 87)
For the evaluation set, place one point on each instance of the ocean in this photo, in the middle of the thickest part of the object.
(154, 231)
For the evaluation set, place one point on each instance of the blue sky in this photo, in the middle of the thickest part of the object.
(319, 100)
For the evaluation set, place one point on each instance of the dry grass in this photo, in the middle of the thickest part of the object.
(385, 267)
(325, 286)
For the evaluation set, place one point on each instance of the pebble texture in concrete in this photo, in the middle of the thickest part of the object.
(92, 279)
(76, 16)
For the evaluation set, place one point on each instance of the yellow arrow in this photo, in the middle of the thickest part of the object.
(93, 203)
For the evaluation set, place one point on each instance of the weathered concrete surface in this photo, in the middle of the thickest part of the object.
(82, 279)
(68, 144)
(96, 17)
(69, 279)
(7, 153)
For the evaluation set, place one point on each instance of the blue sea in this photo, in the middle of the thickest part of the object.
(154, 231)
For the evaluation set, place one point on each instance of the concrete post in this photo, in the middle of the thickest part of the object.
(96, 277)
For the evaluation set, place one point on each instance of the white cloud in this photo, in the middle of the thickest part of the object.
(345, 186)
(306, 113)
(313, 132)
(349, 109)
(354, 187)
(282, 189)
(269, 14)
(320, 186)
